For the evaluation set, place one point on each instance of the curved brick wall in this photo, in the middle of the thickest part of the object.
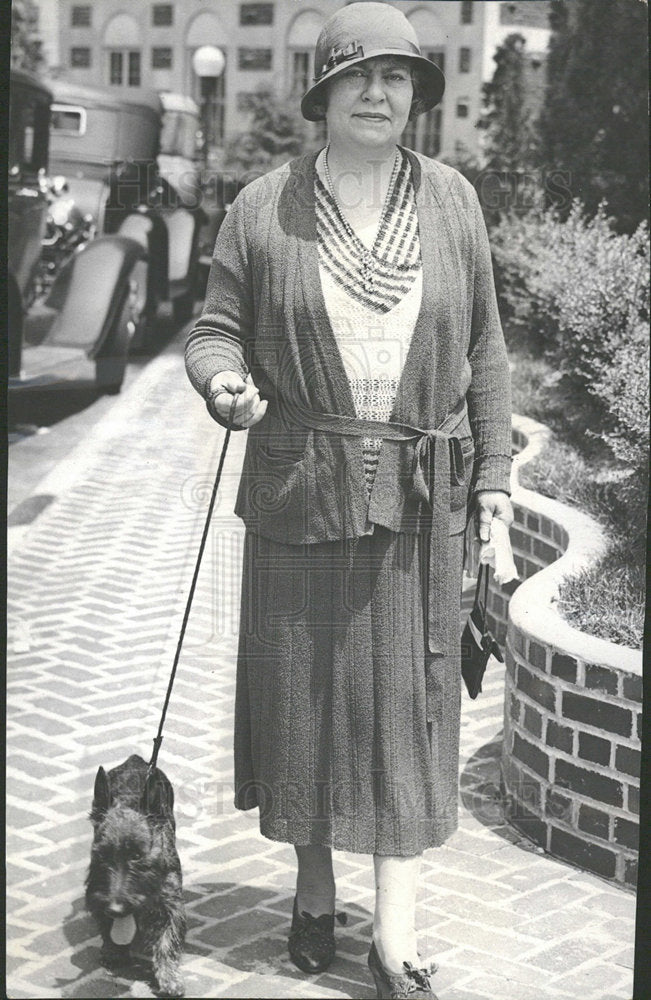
(572, 711)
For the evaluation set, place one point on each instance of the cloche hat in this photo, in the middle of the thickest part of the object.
(361, 31)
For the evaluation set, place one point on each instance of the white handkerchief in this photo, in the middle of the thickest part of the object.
(497, 552)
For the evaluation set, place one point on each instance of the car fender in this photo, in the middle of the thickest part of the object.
(89, 293)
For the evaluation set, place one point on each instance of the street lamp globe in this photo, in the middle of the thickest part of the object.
(208, 60)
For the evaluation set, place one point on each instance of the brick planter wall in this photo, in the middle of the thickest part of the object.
(572, 711)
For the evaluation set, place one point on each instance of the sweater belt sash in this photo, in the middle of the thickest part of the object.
(438, 458)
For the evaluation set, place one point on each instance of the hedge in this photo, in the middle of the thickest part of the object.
(582, 291)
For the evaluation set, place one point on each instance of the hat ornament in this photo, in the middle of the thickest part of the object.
(342, 54)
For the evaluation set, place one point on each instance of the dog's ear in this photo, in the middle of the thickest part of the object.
(157, 800)
(101, 795)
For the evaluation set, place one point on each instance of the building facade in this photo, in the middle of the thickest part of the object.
(265, 46)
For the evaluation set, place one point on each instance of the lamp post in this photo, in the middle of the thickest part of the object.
(208, 63)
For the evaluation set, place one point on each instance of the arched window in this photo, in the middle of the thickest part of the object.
(301, 40)
(123, 46)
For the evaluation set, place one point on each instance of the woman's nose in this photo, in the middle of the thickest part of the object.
(374, 87)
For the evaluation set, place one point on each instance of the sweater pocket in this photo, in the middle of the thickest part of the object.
(279, 455)
(272, 496)
(280, 480)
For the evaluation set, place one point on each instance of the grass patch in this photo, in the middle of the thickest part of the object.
(605, 601)
(578, 469)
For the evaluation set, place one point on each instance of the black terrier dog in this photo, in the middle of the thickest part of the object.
(133, 886)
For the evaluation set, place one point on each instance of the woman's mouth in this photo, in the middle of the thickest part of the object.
(371, 117)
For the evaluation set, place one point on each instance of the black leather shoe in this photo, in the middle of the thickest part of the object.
(312, 940)
(413, 983)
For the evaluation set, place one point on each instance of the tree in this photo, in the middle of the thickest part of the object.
(506, 119)
(594, 121)
(275, 134)
(25, 41)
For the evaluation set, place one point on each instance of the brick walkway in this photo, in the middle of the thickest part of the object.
(97, 590)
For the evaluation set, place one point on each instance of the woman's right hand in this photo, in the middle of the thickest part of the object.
(249, 409)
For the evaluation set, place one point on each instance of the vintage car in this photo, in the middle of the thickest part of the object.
(108, 148)
(79, 324)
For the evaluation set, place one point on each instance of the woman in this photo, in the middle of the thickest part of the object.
(351, 306)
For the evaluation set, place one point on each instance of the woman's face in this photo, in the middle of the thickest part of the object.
(369, 103)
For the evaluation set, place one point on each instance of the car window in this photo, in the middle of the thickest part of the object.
(68, 120)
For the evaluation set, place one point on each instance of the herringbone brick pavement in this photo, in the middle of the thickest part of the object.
(97, 590)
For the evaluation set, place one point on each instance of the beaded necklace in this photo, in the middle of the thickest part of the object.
(366, 254)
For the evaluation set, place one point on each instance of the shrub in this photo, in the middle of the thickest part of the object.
(275, 134)
(601, 295)
(624, 388)
(583, 292)
(525, 273)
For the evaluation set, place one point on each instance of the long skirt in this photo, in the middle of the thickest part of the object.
(338, 739)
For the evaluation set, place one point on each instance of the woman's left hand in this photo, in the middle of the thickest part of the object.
(490, 504)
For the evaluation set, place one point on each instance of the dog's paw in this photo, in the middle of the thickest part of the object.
(170, 983)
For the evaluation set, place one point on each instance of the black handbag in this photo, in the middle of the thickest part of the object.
(477, 642)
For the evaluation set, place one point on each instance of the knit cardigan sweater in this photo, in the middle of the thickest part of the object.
(264, 312)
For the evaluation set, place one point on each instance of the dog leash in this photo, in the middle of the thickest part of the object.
(158, 739)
